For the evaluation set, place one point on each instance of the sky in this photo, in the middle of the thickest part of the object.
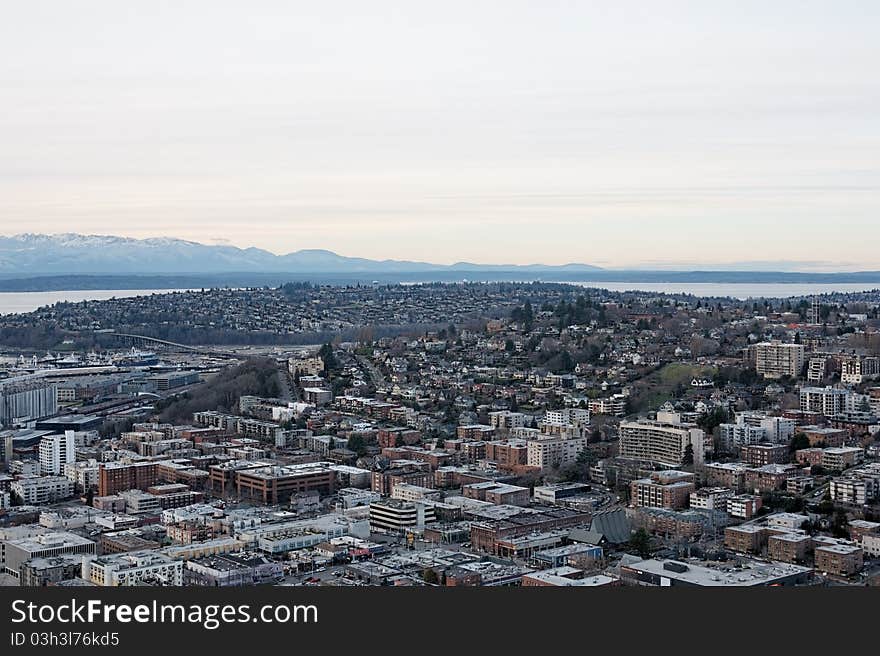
(625, 133)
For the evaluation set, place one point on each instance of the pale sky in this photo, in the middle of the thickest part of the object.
(618, 133)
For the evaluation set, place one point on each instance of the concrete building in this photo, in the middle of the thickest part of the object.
(56, 451)
(661, 442)
(25, 400)
(133, 568)
(839, 458)
(856, 369)
(396, 516)
(828, 401)
(776, 359)
(38, 491)
(17, 551)
(549, 452)
(497, 493)
(233, 569)
(710, 498)
(671, 573)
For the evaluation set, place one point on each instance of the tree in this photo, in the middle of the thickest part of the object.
(326, 353)
(709, 421)
(528, 316)
(640, 543)
(826, 506)
(356, 443)
(688, 458)
(566, 363)
(838, 525)
(430, 577)
(798, 442)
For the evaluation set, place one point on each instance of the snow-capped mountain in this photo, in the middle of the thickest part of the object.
(71, 253)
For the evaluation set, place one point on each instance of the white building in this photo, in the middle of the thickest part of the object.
(827, 400)
(133, 568)
(56, 451)
(871, 545)
(575, 416)
(856, 369)
(548, 452)
(711, 498)
(396, 516)
(661, 442)
(507, 419)
(41, 490)
(777, 359)
(408, 492)
(851, 490)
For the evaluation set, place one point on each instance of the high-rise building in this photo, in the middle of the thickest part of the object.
(57, 451)
(661, 442)
(829, 401)
(777, 359)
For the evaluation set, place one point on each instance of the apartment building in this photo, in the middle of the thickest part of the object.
(828, 401)
(508, 454)
(758, 455)
(661, 442)
(710, 498)
(116, 477)
(549, 452)
(411, 472)
(839, 559)
(777, 359)
(839, 458)
(56, 451)
(133, 568)
(38, 491)
(746, 538)
(497, 493)
(856, 369)
(743, 506)
(505, 419)
(664, 489)
(789, 547)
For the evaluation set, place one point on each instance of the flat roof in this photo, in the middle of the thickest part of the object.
(750, 573)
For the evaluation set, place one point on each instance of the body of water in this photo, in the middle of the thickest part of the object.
(15, 302)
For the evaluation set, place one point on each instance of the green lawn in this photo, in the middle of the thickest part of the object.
(652, 391)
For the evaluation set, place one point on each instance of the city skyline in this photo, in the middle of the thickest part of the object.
(621, 135)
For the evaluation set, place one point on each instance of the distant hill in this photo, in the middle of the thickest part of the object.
(34, 262)
(30, 255)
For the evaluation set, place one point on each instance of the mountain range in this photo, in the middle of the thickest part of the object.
(75, 254)
(39, 262)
